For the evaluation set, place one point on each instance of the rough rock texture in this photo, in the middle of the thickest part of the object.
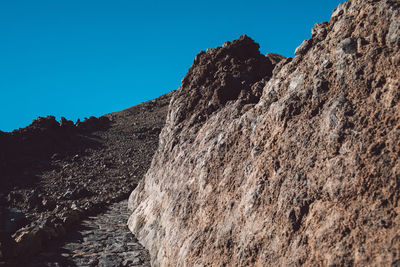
(303, 170)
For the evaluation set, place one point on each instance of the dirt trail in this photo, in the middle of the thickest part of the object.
(102, 240)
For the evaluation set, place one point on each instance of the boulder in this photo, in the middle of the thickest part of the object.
(306, 174)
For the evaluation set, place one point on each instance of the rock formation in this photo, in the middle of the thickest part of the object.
(54, 174)
(269, 161)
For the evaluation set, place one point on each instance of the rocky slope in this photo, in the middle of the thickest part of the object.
(55, 174)
(269, 161)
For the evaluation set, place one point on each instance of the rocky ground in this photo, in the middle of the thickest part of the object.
(102, 240)
(262, 161)
(55, 174)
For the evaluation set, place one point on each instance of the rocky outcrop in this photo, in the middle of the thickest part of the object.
(54, 174)
(286, 162)
(44, 137)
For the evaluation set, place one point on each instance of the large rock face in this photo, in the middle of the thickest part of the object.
(288, 164)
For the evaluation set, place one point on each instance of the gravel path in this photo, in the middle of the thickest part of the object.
(102, 240)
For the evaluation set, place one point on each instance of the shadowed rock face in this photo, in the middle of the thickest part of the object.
(301, 167)
(54, 174)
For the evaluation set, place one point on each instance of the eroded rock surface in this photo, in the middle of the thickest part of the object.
(287, 163)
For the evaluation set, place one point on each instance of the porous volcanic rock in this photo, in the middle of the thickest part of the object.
(303, 170)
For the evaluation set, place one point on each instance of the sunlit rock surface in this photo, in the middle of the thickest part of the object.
(271, 161)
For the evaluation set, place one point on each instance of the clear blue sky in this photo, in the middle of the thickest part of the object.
(91, 57)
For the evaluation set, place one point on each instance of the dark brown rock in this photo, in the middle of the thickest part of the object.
(58, 173)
